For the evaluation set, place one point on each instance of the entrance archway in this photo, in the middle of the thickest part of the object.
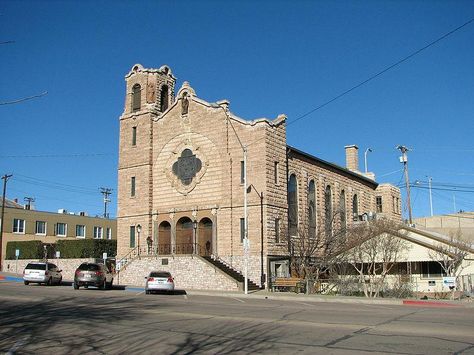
(205, 236)
(164, 238)
(184, 236)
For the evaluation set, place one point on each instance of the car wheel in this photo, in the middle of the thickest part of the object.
(103, 285)
(76, 286)
(147, 292)
(50, 281)
(109, 285)
(60, 281)
(26, 283)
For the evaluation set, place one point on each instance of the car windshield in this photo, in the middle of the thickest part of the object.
(36, 266)
(160, 274)
(89, 267)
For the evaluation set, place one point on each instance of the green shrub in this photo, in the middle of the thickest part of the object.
(86, 248)
(30, 249)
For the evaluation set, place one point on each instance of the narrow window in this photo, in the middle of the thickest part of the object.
(136, 97)
(40, 228)
(132, 186)
(378, 202)
(132, 236)
(164, 98)
(242, 172)
(328, 210)
(80, 231)
(277, 230)
(134, 136)
(342, 208)
(292, 206)
(355, 208)
(242, 230)
(98, 232)
(18, 226)
(61, 229)
(276, 173)
(312, 209)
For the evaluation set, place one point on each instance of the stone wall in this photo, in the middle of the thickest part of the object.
(68, 266)
(189, 272)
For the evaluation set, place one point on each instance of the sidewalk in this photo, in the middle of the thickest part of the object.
(290, 296)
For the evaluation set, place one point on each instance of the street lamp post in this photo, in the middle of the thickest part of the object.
(195, 249)
(365, 158)
(246, 236)
(260, 195)
(139, 229)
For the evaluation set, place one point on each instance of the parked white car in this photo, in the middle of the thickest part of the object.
(42, 273)
(159, 281)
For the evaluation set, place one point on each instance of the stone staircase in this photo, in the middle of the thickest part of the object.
(231, 272)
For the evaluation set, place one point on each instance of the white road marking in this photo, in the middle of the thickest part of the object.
(185, 297)
(139, 293)
(238, 299)
(305, 304)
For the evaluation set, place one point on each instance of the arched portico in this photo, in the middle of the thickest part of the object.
(164, 238)
(204, 237)
(184, 236)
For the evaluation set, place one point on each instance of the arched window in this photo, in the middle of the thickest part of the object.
(342, 208)
(292, 206)
(312, 209)
(164, 98)
(328, 210)
(355, 208)
(136, 97)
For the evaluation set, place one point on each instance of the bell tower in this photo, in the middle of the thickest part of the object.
(149, 94)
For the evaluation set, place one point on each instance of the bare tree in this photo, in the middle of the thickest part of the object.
(313, 253)
(450, 256)
(373, 249)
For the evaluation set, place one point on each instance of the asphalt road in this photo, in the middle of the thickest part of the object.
(59, 320)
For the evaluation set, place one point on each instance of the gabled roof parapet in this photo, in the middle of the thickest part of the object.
(138, 68)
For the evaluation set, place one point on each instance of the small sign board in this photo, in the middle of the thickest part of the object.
(58, 254)
(118, 266)
(449, 281)
(17, 253)
(246, 244)
(104, 256)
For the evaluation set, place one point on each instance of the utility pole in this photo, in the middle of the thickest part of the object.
(28, 201)
(106, 192)
(404, 160)
(5, 179)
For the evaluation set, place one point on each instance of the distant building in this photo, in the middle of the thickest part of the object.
(181, 180)
(23, 224)
(459, 225)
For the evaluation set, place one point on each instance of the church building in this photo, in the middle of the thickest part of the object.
(189, 169)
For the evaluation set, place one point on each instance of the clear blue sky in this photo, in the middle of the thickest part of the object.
(267, 58)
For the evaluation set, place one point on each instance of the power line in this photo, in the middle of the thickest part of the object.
(382, 72)
(23, 99)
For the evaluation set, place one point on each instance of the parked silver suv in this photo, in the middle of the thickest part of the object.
(93, 274)
(42, 273)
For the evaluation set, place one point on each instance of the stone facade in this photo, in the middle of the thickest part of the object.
(180, 177)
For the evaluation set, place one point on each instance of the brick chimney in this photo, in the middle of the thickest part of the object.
(352, 157)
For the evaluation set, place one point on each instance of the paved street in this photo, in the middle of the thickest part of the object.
(60, 320)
